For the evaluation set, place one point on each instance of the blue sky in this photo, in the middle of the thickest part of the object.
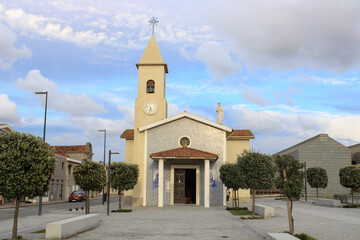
(287, 70)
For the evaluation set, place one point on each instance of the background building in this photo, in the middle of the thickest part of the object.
(322, 151)
(355, 153)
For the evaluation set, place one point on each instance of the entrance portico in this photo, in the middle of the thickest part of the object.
(183, 153)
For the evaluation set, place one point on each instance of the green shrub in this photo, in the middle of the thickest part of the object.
(304, 236)
(351, 206)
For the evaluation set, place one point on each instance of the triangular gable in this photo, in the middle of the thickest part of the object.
(186, 115)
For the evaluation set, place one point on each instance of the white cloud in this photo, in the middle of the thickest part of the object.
(217, 59)
(296, 123)
(8, 52)
(128, 113)
(75, 104)
(285, 34)
(49, 27)
(251, 95)
(8, 113)
(332, 80)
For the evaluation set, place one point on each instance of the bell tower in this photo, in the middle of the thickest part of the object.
(150, 107)
(150, 104)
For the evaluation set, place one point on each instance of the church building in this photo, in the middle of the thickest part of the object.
(179, 157)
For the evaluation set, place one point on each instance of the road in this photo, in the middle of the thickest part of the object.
(25, 211)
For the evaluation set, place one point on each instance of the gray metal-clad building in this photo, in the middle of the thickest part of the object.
(355, 153)
(322, 151)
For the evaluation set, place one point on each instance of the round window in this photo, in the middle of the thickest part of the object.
(184, 142)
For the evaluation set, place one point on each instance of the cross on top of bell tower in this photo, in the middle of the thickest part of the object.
(153, 21)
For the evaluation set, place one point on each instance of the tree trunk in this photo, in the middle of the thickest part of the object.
(317, 192)
(253, 203)
(289, 208)
(16, 215)
(236, 197)
(352, 196)
(291, 219)
(233, 198)
(119, 198)
(87, 202)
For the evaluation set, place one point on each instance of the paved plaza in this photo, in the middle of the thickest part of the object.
(193, 222)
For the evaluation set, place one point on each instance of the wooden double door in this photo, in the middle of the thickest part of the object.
(185, 186)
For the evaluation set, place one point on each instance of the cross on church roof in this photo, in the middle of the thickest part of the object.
(153, 21)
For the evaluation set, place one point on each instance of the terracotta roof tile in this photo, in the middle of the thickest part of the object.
(128, 134)
(242, 134)
(70, 149)
(184, 153)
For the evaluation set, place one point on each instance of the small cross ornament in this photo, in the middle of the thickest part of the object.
(153, 21)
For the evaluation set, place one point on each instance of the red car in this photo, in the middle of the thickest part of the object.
(77, 196)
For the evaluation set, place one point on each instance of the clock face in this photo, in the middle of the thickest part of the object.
(150, 108)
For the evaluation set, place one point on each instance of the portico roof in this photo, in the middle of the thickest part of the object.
(184, 153)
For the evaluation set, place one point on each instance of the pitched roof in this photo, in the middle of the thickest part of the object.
(184, 153)
(303, 143)
(242, 133)
(6, 128)
(186, 115)
(70, 149)
(152, 55)
(61, 154)
(128, 134)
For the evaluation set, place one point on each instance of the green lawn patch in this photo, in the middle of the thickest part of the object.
(240, 212)
(236, 208)
(122, 210)
(40, 231)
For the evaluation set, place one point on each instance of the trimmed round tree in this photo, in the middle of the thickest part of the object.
(290, 182)
(350, 178)
(231, 178)
(123, 176)
(26, 167)
(317, 178)
(258, 171)
(90, 176)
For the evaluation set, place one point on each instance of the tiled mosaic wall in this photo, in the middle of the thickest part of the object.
(166, 137)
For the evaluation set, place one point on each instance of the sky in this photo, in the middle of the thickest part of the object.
(286, 69)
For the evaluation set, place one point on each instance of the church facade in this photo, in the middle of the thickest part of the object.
(179, 157)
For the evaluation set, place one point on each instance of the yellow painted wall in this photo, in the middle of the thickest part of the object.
(234, 148)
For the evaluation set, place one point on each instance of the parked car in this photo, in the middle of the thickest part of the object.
(77, 196)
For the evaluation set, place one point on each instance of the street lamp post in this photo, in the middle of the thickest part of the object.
(305, 182)
(108, 186)
(46, 97)
(103, 196)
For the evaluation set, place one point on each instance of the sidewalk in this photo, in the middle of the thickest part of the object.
(194, 222)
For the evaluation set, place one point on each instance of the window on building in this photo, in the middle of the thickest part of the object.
(62, 165)
(150, 86)
(69, 170)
